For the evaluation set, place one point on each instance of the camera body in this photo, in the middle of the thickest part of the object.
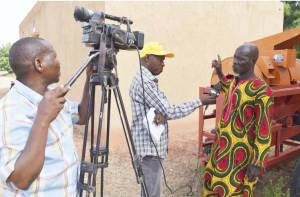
(94, 27)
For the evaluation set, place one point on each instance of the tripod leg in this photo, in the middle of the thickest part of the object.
(134, 157)
(96, 149)
(108, 124)
(92, 130)
(91, 102)
(104, 157)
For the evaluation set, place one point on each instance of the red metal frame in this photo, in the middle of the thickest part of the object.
(286, 103)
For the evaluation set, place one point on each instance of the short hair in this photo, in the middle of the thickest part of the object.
(22, 54)
(251, 50)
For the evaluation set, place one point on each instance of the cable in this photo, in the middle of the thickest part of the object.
(190, 185)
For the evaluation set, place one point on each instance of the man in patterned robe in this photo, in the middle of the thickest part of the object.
(244, 131)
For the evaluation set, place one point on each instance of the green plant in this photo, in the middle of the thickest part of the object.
(292, 18)
(275, 189)
(291, 15)
(4, 63)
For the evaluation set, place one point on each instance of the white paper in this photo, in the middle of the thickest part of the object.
(155, 130)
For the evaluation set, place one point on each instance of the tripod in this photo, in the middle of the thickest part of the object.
(99, 151)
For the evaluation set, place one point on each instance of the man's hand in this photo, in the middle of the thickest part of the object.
(52, 104)
(252, 173)
(206, 99)
(159, 119)
(217, 65)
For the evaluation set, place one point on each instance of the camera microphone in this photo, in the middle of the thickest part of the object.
(84, 15)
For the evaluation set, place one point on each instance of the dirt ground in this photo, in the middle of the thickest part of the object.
(181, 169)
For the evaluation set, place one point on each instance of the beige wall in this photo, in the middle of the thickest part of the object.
(194, 31)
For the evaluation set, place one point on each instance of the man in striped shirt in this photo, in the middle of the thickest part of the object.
(153, 56)
(37, 153)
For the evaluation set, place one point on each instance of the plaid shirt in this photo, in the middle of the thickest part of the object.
(60, 171)
(156, 99)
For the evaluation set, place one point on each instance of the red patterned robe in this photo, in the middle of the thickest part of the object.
(243, 138)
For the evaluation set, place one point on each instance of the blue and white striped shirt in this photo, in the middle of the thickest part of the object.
(59, 174)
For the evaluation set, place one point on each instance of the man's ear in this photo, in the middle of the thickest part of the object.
(253, 62)
(146, 59)
(38, 65)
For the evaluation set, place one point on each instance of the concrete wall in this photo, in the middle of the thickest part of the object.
(195, 31)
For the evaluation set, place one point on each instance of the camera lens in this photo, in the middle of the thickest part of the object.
(82, 14)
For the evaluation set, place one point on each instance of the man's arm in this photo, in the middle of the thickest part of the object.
(30, 162)
(262, 139)
(83, 106)
(155, 98)
(224, 81)
(217, 65)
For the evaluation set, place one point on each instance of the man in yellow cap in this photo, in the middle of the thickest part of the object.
(148, 95)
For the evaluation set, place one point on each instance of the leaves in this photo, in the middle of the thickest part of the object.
(291, 15)
(292, 18)
(275, 188)
(4, 63)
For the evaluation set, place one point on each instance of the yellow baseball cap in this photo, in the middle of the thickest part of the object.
(153, 48)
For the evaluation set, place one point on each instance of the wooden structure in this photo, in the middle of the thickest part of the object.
(278, 66)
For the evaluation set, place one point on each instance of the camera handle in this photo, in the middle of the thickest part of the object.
(79, 71)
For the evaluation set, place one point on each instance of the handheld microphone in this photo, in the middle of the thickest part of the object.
(214, 91)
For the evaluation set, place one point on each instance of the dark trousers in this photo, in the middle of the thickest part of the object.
(152, 173)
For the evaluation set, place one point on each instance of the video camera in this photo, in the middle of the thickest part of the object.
(116, 37)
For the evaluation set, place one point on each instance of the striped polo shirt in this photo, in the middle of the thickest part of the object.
(59, 174)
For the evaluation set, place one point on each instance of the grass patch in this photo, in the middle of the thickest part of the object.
(276, 188)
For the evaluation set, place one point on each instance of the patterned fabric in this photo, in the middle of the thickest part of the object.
(156, 99)
(243, 138)
(59, 174)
